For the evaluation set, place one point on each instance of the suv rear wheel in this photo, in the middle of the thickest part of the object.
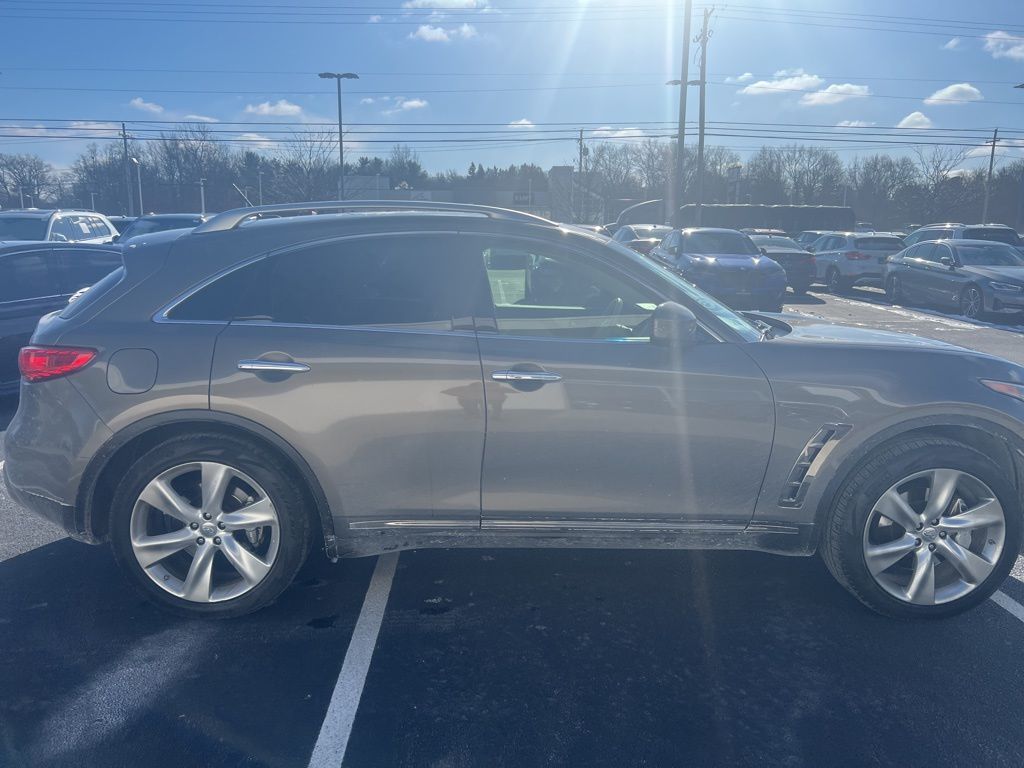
(836, 282)
(207, 524)
(925, 528)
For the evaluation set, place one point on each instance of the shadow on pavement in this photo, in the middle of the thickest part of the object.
(93, 675)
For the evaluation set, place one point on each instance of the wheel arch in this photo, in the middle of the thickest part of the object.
(99, 479)
(993, 440)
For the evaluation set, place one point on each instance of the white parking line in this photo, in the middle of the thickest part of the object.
(1008, 604)
(333, 739)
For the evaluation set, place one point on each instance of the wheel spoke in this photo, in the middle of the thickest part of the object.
(215, 480)
(200, 575)
(971, 567)
(153, 549)
(248, 565)
(944, 482)
(159, 495)
(921, 589)
(896, 508)
(987, 513)
(879, 557)
(257, 514)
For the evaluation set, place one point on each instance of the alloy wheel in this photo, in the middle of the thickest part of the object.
(934, 536)
(205, 532)
(895, 290)
(971, 303)
(834, 280)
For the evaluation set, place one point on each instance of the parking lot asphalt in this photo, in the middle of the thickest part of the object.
(511, 657)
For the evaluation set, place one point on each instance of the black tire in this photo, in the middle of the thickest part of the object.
(261, 465)
(972, 302)
(842, 530)
(835, 282)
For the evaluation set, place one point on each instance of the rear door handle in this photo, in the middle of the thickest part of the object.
(271, 366)
(543, 377)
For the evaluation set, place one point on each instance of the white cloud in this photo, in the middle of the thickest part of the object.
(431, 34)
(446, 4)
(522, 122)
(280, 108)
(744, 78)
(201, 119)
(834, 94)
(1005, 147)
(607, 132)
(952, 44)
(957, 93)
(402, 104)
(257, 140)
(1003, 45)
(853, 124)
(915, 120)
(784, 80)
(368, 100)
(375, 18)
(146, 106)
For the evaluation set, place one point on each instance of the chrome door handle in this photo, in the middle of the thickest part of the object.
(270, 366)
(538, 376)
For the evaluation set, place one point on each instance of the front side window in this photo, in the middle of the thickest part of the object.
(543, 291)
(995, 255)
(26, 276)
(420, 281)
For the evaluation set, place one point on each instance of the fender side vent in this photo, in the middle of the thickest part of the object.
(810, 460)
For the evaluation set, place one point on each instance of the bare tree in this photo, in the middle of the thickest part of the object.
(309, 171)
(27, 175)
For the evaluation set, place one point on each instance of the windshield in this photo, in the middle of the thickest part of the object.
(719, 243)
(995, 234)
(995, 255)
(770, 241)
(736, 322)
(22, 228)
(879, 243)
(658, 232)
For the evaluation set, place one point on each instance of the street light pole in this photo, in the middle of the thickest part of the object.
(138, 179)
(202, 197)
(675, 195)
(705, 35)
(92, 201)
(988, 178)
(259, 181)
(337, 77)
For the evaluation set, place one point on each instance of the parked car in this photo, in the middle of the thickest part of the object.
(798, 262)
(37, 278)
(999, 233)
(726, 264)
(974, 277)
(843, 259)
(162, 222)
(809, 236)
(642, 238)
(121, 222)
(59, 226)
(246, 389)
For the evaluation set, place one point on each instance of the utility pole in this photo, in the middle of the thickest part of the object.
(138, 178)
(21, 195)
(92, 201)
(337, 77)
(127, 171)
(259, 181)
(202, 197)
(579, 182)
(675, 196)
(705, 35)
(988, 179)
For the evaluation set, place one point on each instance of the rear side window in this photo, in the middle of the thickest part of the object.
(995, 234)
(880, 243)
(417, 280)
(27, 276)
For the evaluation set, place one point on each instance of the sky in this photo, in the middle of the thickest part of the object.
(511, 81)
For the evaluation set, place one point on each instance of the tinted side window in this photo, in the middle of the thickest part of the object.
(539, 290)
(926, 251)
(422, 281)
(26, 276)
(84, 266)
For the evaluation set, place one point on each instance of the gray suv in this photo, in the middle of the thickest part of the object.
(387, 376)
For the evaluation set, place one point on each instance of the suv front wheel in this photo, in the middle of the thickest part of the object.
(925, 528)
(207, 524)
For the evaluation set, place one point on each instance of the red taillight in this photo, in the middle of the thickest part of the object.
(857, 256)
(39, 363)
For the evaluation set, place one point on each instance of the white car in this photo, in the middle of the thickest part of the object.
(56, 226)
(845, 258)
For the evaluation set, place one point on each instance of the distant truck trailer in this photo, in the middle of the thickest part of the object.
(788, 218)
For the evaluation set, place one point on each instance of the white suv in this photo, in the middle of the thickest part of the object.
(999, 233)
(56, 226)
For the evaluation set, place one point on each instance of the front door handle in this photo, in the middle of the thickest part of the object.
(539, 377)
(271, 366)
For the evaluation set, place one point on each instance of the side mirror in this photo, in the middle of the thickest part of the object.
(673, 325)
(763, 250)
(115, 238)
(947, 261)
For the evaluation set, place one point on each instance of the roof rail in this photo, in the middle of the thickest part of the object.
(232, 219)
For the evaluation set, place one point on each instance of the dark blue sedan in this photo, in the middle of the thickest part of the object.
(725, 263)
